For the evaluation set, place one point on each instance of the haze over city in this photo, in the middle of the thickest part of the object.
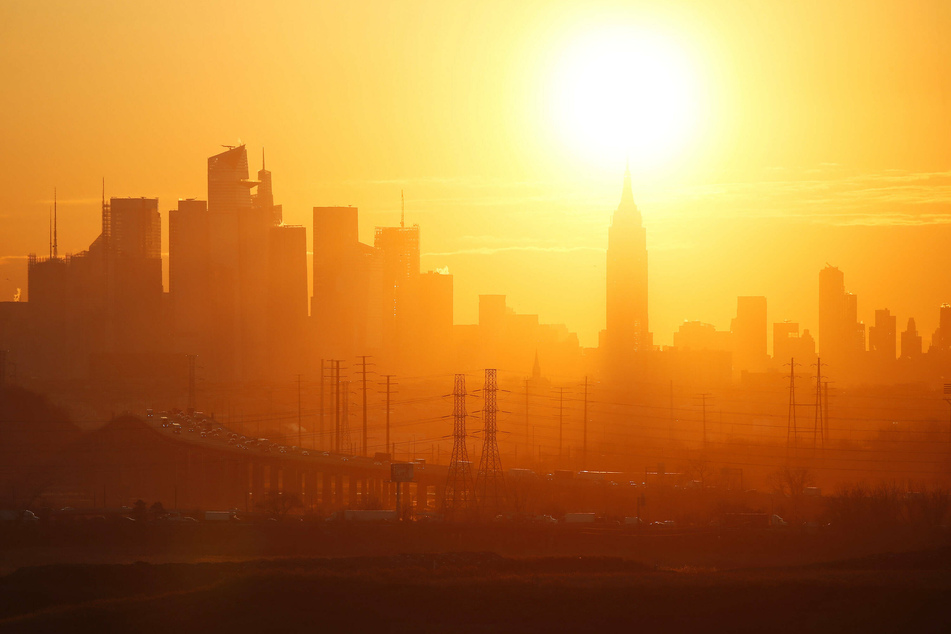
(824, 143)
(353, 296)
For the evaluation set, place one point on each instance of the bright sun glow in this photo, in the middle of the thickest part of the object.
(624, 93)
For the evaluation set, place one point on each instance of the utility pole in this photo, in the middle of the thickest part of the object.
(947, 399)
(584, 445)
(561, 421)
(818, 432)
(300, 442)
(459, 490)
(335, 386)
(363, 363)
(825, 403)
(670, 419)
(191, 382)
(491, 485)
(389, 384)
(346, 442)
(528, 383)
(791, 431)
(703, 405)
(320, 413)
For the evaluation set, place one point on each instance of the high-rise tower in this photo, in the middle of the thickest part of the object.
(238, 241)
(841, 335)
(264, 198)
(627, 328)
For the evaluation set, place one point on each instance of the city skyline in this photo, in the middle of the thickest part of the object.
(545, 316)
(264, 199)
(819, 191)
(238, 296)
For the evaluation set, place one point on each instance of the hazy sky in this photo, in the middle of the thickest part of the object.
(808, 132)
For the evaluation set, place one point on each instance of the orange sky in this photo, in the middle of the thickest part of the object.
(822, 136)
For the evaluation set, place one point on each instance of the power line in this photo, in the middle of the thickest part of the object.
(490, 484)
(459, 490)
(363, 363)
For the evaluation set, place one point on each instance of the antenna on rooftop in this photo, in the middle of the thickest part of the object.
(55, 246)
(402, 209)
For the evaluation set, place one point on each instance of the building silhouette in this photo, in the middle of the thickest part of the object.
(398, 251)
(134, 274)
(263, 198)
(189, 279)
(230, 260)
(341, 279)
(237, 253)
(749, 335)
(882, 337)
(841, 335)
(287, 301)
(941, 340)
(514, 340)
(788, 343)
(100, 313)
(627, 330)
(911, 341)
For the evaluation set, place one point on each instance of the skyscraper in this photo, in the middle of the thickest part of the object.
(189, 282)
(910, 341)
(841, 335)
(627, 326)
(238, 241)
(287, 298)
(941, 340)
(341, 269)
(831, 312)
(134, 274)
(399, 251)
(749, 335)
(264, 197)
(785, 341)
(882, 336)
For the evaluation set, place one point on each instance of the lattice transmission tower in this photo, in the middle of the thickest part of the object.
(459, 485)
(490, 484)
(346, 443)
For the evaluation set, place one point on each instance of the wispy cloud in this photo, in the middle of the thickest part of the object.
(69, 201)
(512, 248)
(826, 195)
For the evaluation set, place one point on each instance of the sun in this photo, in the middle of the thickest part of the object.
(620, 93)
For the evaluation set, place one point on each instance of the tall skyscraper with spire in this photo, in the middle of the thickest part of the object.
(264, 198)
(627, 327)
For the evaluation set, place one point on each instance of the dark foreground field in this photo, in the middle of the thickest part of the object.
(475, 592)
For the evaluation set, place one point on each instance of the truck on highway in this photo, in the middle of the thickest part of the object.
(580, 518)
(220, 516)
(362, 515)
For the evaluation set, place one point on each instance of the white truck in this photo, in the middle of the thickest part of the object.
(579, 518)
(219, 516)
(361, 515)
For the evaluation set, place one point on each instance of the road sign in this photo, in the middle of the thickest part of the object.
(401, 472)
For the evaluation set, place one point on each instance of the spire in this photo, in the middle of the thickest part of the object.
(51, 233)
(263, 168)
(627, 195)
(402, 209)
(55, 246)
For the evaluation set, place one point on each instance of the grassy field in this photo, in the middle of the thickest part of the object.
(481, 592)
